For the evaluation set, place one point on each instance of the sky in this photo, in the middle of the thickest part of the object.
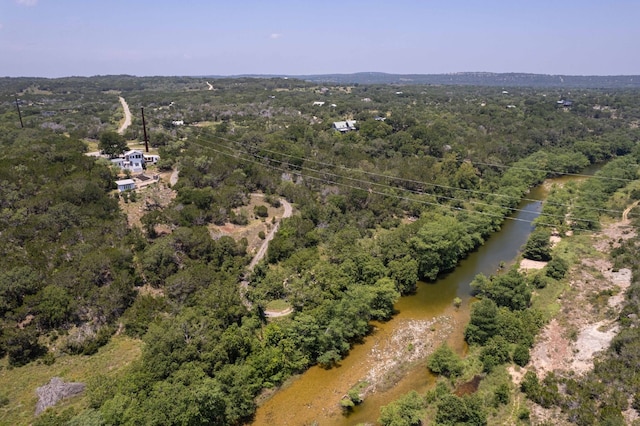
(57, 38)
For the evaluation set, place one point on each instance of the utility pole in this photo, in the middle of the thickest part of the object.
(144, 128)
(19, 114)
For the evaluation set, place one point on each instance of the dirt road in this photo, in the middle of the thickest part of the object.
(262, 251)
(265, 244)
(127, 116)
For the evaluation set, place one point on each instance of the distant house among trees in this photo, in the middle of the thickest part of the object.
(318, 103)
(344, 126)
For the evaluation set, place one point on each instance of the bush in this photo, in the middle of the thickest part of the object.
(22, 345)
(496, 352)
(557, 268)
(501, 394)
(521, 355)
(261, 211)
(539, 281)
(445, 361)
(538, 246)
(406, 411)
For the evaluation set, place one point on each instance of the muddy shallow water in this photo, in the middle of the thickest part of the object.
(423, 322)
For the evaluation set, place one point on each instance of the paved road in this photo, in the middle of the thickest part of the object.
(127, 116)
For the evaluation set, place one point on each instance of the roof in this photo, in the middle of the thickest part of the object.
(125, 182)
(133, 151)
(345, 125)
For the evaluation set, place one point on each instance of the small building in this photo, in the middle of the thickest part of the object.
(178, 122)
(344, 126)
(126, 185)
(318, 103)
(151, 159)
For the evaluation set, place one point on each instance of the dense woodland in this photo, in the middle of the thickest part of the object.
(430, 173)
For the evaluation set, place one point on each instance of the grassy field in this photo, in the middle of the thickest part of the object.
(278, 305)
(18, 385)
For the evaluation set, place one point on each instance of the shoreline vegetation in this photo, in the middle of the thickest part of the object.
(422, 181)
(576, 335)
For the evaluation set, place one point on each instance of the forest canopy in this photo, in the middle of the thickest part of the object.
(424, 179)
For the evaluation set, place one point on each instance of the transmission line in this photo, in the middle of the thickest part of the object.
(417, 182)
(333, 182)
(517, 199)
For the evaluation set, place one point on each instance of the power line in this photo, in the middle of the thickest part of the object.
(554, 172)
(324, 180)
(419, 182)
(517, 199)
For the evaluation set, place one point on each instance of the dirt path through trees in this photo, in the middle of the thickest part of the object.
(625, 213)
(127, 116)
(262, 251)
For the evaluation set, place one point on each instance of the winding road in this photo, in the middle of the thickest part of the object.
(127, 116)
(262, 251)
(625, 213)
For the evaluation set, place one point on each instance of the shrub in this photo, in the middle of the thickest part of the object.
(445, 361)
(261, 211)
(521, 355)
(557, 268)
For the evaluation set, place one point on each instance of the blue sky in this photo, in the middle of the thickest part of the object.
(54, 38)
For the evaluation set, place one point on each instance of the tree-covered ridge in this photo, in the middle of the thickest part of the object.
(396, 201)
(482, 79)
(65, 256)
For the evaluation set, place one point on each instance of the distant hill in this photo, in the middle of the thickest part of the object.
(477, 79)
(483, 79)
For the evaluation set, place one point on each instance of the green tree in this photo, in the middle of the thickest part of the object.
(483, 323)
(54, 306)
(406, 411)
(557, 268)
(22, 345)
(445, 361)
(405, 273)
(521, 355)
(112, 144)
(454, 410)
(538, 245)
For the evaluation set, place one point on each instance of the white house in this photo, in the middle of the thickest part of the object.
(131, 160)
(318, 103)
(135, 160)
(125, 185)
(344, 126)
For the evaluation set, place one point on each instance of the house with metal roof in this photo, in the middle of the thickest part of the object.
(344, 126)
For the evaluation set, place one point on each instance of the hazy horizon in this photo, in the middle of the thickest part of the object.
(62, 38)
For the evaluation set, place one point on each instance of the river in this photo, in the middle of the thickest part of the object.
(313, 397)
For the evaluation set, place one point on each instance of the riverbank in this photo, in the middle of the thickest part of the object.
(586, 321)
